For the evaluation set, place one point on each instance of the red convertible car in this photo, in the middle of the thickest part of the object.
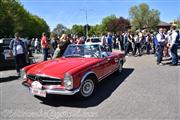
(77, 72)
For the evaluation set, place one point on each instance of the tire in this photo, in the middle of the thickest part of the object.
(87, 89)
(120, 68)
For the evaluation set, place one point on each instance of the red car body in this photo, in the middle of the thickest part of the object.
(51, 74)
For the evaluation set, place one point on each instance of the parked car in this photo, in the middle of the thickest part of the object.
(6, 55)
(93, 40)
(77, 72)
(7, 60)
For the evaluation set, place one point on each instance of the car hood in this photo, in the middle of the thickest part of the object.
(58, 67)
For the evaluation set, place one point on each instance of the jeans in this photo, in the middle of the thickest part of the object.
(20, 61)
(137, 47)
(174, 55)
(148, 48)
(126, 48)
(45, 53)
(122, 45)
(110, 47)
(159, 53)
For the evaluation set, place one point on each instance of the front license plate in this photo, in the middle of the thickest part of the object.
(38, 92)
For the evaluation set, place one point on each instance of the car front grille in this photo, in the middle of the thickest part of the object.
(44, 80)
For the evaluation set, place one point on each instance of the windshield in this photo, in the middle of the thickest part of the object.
(95, 40)
(82, 51)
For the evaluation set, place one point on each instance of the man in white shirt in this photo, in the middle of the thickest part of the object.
(169, 40)
(19, 52)
(103, 40)
(173, 45)
(137, 41)
(160, 46)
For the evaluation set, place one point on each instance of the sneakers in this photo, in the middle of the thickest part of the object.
(160, 64)
(173, 64)
(18, 74)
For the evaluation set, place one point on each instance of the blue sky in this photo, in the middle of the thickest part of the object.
(70, 12)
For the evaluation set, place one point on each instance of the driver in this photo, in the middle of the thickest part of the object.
(78, 50)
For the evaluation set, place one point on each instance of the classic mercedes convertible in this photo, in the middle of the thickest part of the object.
(77, 72)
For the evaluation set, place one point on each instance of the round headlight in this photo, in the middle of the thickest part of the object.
(68, 81)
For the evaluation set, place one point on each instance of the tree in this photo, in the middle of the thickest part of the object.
(105, 22)
(78, 30)
(118, 25)
(177, 22)
(95, 30)
(59, 30)
(142, 17)
(37, 26)
(14, 18)
(7, 23)
(68, 31)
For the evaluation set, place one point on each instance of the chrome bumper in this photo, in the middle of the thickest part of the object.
(56, 92)
(62, 92)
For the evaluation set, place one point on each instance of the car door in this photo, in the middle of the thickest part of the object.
(113, 61)
(102, 68)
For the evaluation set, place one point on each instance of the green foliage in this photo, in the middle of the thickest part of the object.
(104, 27)
(95, 30)
(177, 22)
(118, 25)
(59, 30)
(105, 22)
(14, 18)
(142, 17)
(68, 31)
(78, 30)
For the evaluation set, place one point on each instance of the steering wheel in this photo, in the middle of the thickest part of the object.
(96, 54)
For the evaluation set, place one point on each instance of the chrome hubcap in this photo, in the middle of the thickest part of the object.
(87, 88)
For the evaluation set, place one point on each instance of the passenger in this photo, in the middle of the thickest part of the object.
(59, 50)
(64, 39)
(54, 43)
(78, 50)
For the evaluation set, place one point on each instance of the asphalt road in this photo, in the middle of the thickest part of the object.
(144, 91)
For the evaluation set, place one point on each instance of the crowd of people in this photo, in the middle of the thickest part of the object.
(132, 43)
(48, 46)
(162, 44)
(167, 42)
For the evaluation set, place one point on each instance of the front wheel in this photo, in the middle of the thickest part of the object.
(87, 88)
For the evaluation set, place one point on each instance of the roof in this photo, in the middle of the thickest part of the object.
(91, 43)
(162, 23)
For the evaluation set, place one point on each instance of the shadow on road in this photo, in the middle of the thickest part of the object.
(9, 78)
(169, 61)
(7, 68)
(104, 90)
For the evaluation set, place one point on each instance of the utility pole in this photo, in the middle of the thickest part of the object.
(86, 25)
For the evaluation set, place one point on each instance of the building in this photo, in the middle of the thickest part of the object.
(164, 25)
